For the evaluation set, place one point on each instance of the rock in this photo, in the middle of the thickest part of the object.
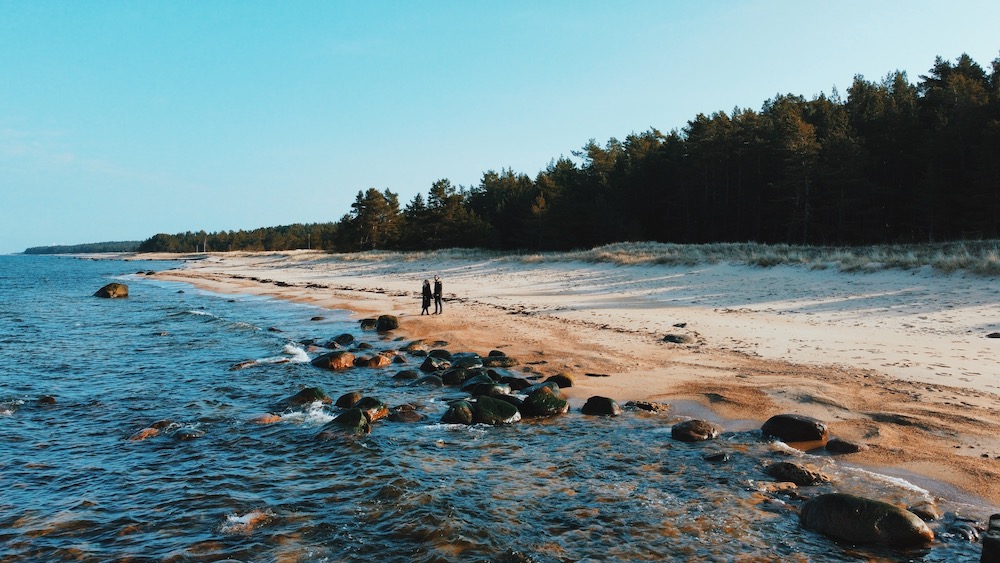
(647, 406)
(317, 319)
(430, 380)
(488, 410)
(440, 353)
(563, 380)
(112, 291)
(497, 354)
(550, 384)
(544, 402)
(841, 446)
(991, 541)
(373, 409)
(466, 360)
(351, 421)
(376, 361)
(385, 323)
(188, 433)
(717, 457)
(144, 434)
(368, 324)
(788, 472)
(348, 400)
(456, 376)
(306, 396)
(794, 428)
(860, 521)
(415, 346)
(499, 362)
(993, 335)
(407, 374)
(695, 431)
(342, 340)
(267, 418)
(601, 406)
(491, 389)
(926, 509)
(46, 400)
(516, 383)
(335, 361)
(459, 412)
(432, 363)
(678, 339)
(405, 413)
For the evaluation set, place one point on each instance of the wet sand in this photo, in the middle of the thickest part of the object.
(898, 360)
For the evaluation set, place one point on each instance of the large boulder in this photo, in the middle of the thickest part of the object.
(112, 291)
(459, 412)
(351, 421)
(794, 428)
(544, 402)
(695, 431)
(488, 410)
(601, 406)
(334, 360)
(385, 323)
(373, 409)
(859, 521)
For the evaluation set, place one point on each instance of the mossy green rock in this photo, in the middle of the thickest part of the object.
(459, 412)
(488, 410)
(544, 402)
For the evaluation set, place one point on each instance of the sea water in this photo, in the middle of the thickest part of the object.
(81, 375)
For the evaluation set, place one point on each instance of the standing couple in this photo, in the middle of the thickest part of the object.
(438, 304)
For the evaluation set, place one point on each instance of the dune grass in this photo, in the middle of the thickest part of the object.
(976, 257)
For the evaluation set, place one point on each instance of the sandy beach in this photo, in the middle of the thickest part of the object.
(898, 360)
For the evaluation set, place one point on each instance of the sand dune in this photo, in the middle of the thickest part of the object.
(899, 360)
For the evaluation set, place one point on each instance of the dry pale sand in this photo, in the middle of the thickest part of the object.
(899, 360)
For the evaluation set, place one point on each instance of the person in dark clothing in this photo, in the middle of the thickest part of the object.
(438, 303)
(426, 298)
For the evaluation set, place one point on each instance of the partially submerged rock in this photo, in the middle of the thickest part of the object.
(860, 521)
(112, 291)
(601, 406)
(794, 428)
(695, 431)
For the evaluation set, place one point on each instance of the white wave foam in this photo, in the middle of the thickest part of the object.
(888, 479)
(312, 415)
(297, 353)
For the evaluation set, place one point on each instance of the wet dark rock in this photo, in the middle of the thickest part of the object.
(407, 374)
(476, 379)
(678, 339)
(459, 412)
(415, 346)
(348, 400)
(841, 446)
(550, 384)
(188, 433)
(112, 291)
(373, 409)
(491, 389)
(368, 324)
(991, 541)
(717, 457)
(647, 406)
(601, 406)
(861, 521)
(351, 421)
(405, 413)
(788, 472)
(338, 360)
(497, 354)
(544, 402)
(993, 335)
(456, 376)
(516, 383)
(488, 410)
(398, 360)
(432, 363)
(385, 323)
(46, 400)
(499, 362)
(695, 431)
(344, 339)
(927, 510)
(364, 346)
(794, 428)
(514, 400)
(563, 380)
(440, 353)
(430, 380)
(315, 319)
(466, 360)
(306, 396)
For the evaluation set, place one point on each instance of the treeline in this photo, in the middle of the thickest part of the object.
(894, 162)
(289, 237)
(88, 248)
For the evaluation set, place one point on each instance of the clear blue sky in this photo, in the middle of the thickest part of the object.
(123, 119)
